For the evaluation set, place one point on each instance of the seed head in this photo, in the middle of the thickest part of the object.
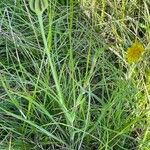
(38, 6)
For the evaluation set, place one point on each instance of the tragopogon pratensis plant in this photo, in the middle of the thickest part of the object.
(39, 6)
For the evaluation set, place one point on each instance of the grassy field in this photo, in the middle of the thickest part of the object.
(66, 82)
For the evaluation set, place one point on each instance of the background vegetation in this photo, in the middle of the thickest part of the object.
(99, 100)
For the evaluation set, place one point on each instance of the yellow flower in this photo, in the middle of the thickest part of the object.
(134, 52)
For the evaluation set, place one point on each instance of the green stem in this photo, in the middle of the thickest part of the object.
(53, 69)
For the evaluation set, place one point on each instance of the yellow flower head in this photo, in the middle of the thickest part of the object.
(134, 52)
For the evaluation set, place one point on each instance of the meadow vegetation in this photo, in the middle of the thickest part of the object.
(65, 82)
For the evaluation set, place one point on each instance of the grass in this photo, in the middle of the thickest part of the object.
(64, 80)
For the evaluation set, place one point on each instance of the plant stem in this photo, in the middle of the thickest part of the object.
(53, 69)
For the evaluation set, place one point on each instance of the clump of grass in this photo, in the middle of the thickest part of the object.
(63, 82)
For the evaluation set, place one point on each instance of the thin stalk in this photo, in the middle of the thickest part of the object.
(53, 70)
(71, 67)
(103, 11)
(123, 10)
